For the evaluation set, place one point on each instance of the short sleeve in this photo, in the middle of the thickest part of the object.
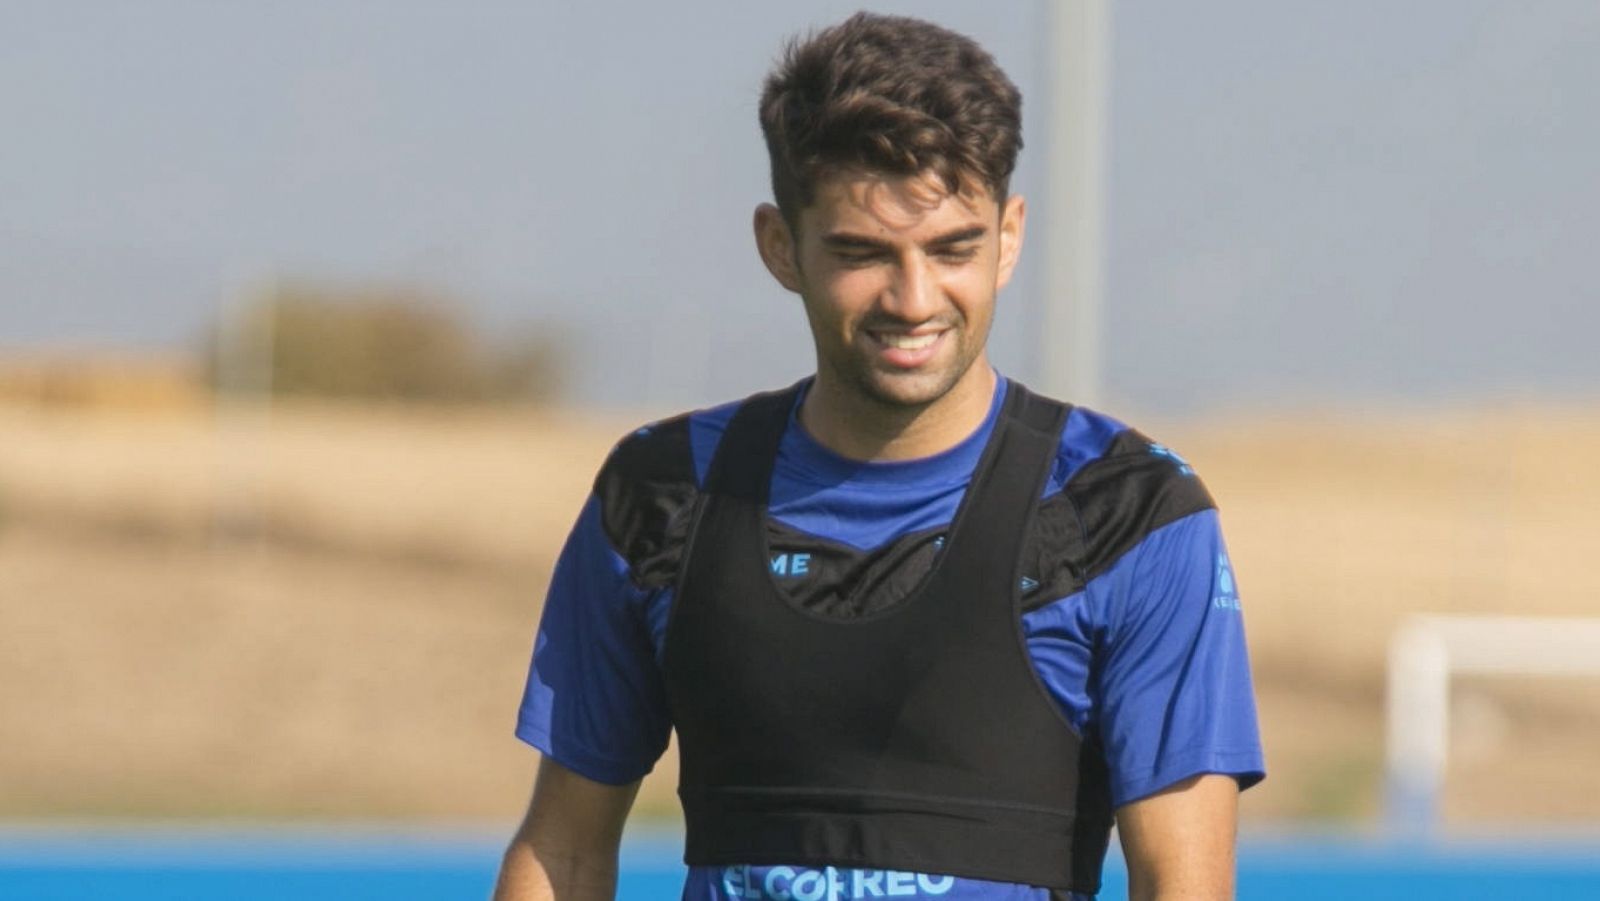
(594, 700)
(1175, 694)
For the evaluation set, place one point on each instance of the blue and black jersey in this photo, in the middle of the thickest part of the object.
(1129, 611)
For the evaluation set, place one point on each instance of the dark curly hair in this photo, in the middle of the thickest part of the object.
(888, 94)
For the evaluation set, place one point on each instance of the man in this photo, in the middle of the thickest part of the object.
(921, 633)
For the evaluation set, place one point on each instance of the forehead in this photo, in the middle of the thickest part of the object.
(887, 205)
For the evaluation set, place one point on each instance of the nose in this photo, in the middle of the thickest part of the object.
(913, 294)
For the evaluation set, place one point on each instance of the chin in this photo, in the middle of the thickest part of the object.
(908, 389)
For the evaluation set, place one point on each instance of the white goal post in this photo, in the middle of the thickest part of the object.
(1425, 652)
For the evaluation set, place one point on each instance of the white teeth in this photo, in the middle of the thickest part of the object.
(908, 342)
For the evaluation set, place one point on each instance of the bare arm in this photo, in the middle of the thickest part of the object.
(566, 847)
(1179, 842)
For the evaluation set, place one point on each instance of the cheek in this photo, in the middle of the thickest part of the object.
(851, 291)
(826, 315)
(973, 292)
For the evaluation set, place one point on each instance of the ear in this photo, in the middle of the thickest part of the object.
(1013, 222)
(776, 245)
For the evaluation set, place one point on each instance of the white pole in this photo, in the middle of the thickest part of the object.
(1418, 725)
(1070, 334)
(1426, 652)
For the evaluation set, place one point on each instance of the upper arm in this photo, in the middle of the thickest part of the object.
(566, 847)
(594, 698)
(1175, 689)
(1177, 715)
(571, 815)
(1179, 842)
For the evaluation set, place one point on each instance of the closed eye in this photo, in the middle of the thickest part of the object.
(959, 254)
(856, 253)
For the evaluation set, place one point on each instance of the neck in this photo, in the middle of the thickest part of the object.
(860, 427)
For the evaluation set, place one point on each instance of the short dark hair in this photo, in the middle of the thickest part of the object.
(888, 94)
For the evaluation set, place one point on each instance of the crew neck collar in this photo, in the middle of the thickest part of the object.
(802, 456)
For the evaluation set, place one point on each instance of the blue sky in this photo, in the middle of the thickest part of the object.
(1308, 202)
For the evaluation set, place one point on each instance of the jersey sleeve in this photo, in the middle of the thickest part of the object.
(594, 700)
(1175, 691)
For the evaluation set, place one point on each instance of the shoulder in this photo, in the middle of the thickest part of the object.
(1110, 487)
(1120, 485)
(646, 488)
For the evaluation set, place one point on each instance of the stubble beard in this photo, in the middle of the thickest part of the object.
(907, 393)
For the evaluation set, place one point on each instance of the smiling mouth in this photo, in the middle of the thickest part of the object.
(903, 351)
(906, 342)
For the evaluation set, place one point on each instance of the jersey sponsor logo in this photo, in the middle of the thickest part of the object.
(1161, 450)
(1227, 596)
(782, 883)
(789, 565)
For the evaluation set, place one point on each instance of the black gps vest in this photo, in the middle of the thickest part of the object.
(915, 738)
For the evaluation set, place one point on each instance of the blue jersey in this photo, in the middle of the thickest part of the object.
(1143, 649)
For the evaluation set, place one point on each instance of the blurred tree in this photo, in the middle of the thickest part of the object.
(530, 364)
(382, 343)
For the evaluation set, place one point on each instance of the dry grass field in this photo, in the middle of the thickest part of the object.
(326, 611)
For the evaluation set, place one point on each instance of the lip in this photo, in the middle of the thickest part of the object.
(904, 357)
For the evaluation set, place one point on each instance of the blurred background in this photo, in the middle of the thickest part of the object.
(317, 319)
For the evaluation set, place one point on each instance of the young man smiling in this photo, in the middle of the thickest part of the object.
(898, 275)
(921, 632)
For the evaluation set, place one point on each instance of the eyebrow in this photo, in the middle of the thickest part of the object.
(852, 241)
(960, 236)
